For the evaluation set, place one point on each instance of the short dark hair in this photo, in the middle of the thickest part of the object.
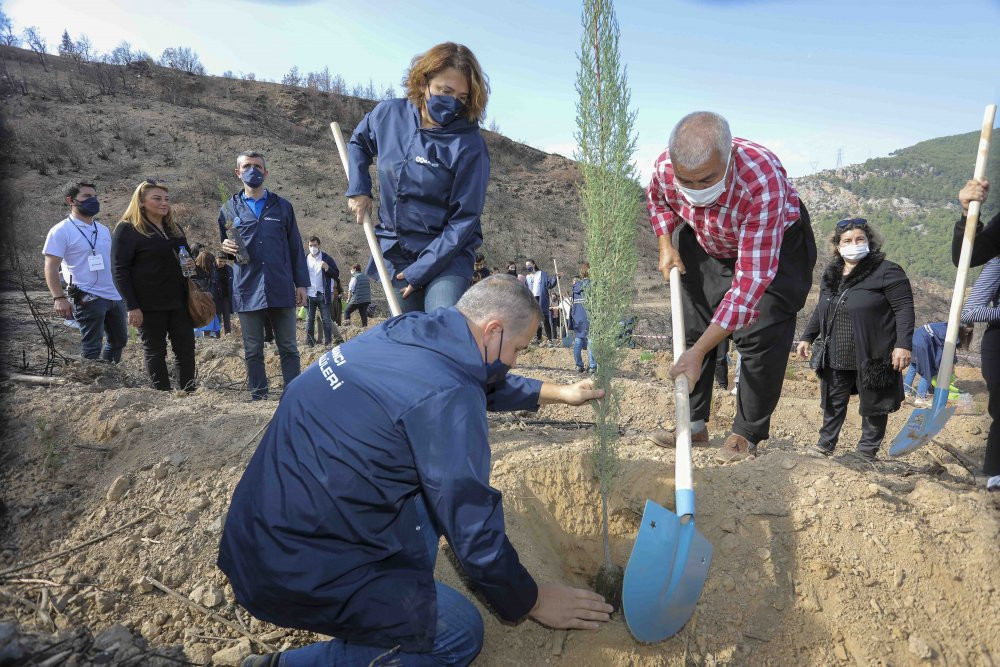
(356, 267)
(256, 154)
(315, 239)
(531, 261)
(73, 189)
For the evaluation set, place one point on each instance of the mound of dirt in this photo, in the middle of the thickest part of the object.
(815, 561)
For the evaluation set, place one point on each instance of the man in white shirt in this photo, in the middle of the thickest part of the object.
(539, 283)
(322, 272)
(81, 247)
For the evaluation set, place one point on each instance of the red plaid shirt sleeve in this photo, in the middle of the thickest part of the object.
(661, 216)
(762, 229)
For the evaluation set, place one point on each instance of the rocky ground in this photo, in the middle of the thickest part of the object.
(113, 497)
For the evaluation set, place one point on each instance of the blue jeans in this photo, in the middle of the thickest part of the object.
(458, 640)
(923, 386)
(579, 343)
(440, 292)
(316, 303)
(102, 321)
(252, 325)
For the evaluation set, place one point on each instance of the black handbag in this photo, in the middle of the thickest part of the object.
(818, 354)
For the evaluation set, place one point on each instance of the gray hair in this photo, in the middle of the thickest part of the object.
(500, 297)
(697, 136)
(256, 154)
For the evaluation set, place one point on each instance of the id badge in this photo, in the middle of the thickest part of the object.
(95, 262)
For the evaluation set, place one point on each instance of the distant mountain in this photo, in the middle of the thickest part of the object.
(911, 197)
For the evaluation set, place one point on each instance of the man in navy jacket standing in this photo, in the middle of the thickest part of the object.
(274, 278)
(334, 527)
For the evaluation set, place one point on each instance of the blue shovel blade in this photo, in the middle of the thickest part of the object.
(665, 574)
(922, 425)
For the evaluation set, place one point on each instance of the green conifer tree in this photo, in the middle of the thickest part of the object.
(606, 142)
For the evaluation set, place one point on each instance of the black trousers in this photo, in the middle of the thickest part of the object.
(835, 392)
(362, 309)
(991, 373)
(545, 322)
(157, 325)
(763, 346)
(722, 365)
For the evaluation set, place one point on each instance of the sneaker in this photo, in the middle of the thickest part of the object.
(580, 369)
(922, 402)
(736, 448)
(818, 452)
(266, 660)
(858, 460)
(733, 391)
(993, 483)
(663, 438)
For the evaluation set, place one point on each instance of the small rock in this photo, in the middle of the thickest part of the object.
(118, 488)
(160, 470)
(144, 585)
(274, 635)
(117, 635)
(232, 656)
(728, 524)
(207, 596)
(199, 653)
(198, 503)
(104, 602)
(788, 463)
(920, 648)
(217, 524)
(764, 554)
(152, 530)
(871, 490)
(840, 652)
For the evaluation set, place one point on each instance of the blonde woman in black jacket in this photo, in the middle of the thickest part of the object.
(865, 319)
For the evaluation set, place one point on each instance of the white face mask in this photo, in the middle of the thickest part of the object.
(705, 197)
(314, 250)
(854, 253)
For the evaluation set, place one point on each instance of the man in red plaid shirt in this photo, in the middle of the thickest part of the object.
(746, 251)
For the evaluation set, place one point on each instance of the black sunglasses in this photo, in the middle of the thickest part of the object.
(153, 181)
(844, 224)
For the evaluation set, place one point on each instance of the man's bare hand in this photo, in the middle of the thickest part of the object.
(135, 317)
(563, 607)
(804, 349)
(688, 364)
(580, 392)
(300, 296)
(229, 246)
(409, 289)
(359, 205)
(63, 308)
(973, 191)
(900, 359)
(669, 257)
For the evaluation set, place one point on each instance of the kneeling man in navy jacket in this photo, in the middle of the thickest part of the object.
(375, 452)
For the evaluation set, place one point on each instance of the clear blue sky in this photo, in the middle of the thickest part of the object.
(803, 77)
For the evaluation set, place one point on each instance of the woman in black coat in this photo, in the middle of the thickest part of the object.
(865, 319)
(148, 274)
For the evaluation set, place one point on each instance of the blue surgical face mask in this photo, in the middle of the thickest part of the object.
(89, 207)
(252, 177)
(496, 370)
(444, 108)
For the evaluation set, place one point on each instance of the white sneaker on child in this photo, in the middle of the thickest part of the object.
(993, 483)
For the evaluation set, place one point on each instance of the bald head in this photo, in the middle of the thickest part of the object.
(699, 137)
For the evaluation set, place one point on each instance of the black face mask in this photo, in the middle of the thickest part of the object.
(512, 272)
(496, 370)
(89, 207)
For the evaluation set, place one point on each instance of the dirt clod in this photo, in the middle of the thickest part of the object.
(608, 583)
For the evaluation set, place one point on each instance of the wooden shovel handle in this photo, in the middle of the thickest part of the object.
(958, 295)
(383, 273)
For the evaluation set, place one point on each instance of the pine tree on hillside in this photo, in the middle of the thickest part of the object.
(66, 46)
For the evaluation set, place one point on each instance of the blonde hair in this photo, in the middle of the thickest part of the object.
(426, 66)
(135, 216)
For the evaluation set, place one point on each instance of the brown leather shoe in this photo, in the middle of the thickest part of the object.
(661, 437)
(735, 448)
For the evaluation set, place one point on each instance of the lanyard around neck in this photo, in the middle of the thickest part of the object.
(92, 244)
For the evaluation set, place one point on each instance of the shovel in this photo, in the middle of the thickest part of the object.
(670, 558)
(925, 423)
(383, 273)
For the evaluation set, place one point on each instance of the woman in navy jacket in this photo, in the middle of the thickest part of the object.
(433, 168)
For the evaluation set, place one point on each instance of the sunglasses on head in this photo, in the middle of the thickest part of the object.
(844, 224)
(153, 181)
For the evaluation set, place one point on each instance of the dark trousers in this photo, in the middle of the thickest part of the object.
(766, 344)
(157, 325)
(362, 309)
(722, 364)
(991, 373)
(103, 328)
(252, 325)
(545, 322)
(224, 309)
(835, 392)
(330, 330)
(337, 310)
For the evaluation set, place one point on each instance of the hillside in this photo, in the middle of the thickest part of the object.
(119, 125)
(911, 196)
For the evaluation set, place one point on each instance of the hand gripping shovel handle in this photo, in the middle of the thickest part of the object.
(957, 298)
(383, 273)
(683, 487)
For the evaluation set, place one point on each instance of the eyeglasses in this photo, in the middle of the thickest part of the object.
(844, 224)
